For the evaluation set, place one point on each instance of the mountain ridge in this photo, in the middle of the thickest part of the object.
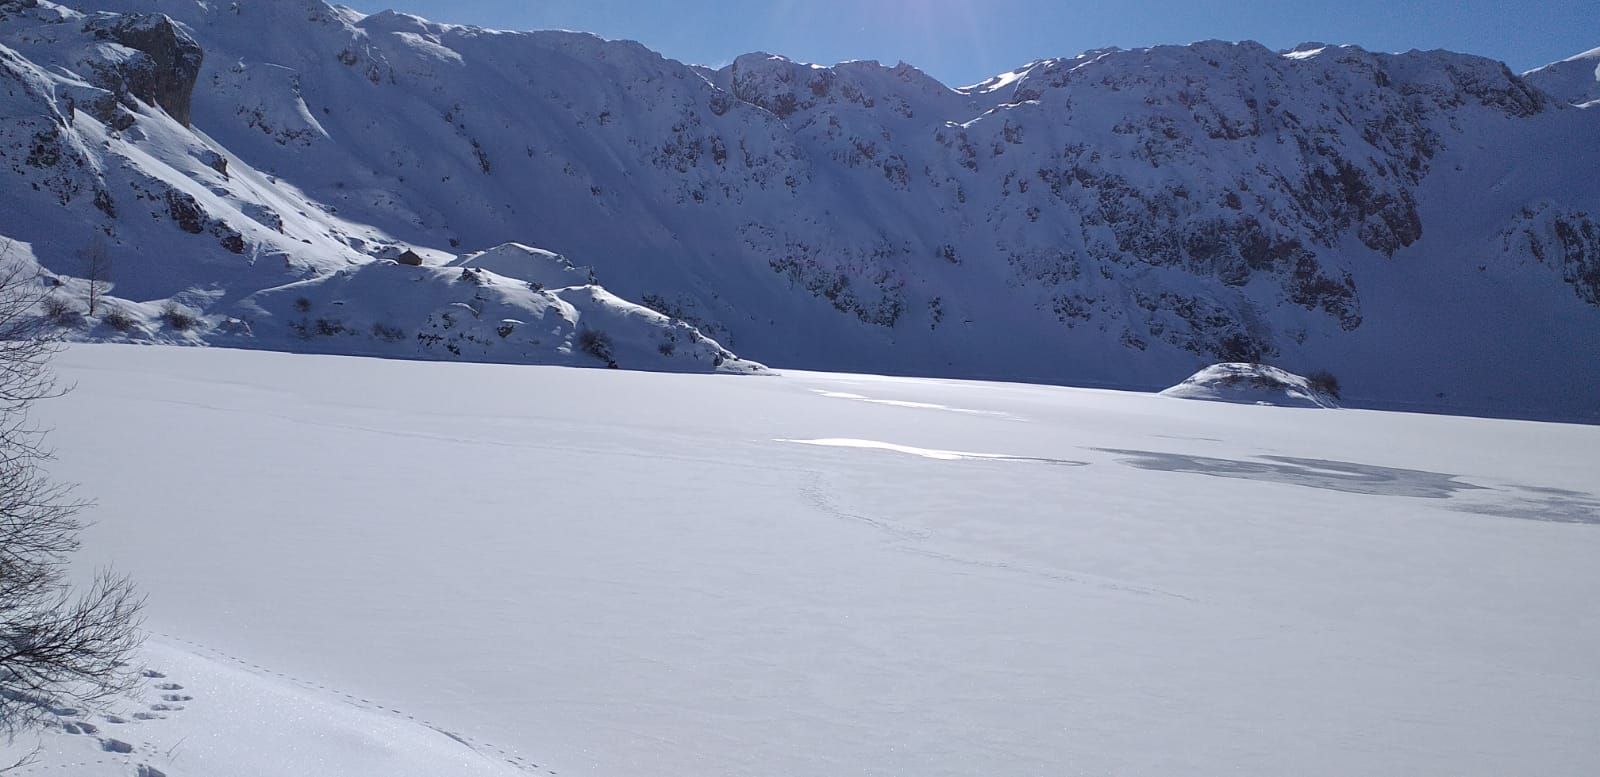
(1118, 218)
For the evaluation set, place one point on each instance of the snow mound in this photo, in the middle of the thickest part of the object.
(547, 269)
(385, 308)
(1254, 384)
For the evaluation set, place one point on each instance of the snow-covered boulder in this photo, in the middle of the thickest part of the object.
(1253, 384)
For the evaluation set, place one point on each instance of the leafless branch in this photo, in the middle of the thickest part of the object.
(58, 646)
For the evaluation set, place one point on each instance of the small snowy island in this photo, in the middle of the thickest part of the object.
(1257, 384)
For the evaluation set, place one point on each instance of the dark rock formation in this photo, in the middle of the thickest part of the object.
(169, 68)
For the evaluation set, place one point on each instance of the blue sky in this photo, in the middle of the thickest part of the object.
(964, 41)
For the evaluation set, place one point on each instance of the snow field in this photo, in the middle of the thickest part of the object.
(613, 573)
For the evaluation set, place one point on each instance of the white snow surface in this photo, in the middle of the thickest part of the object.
(1256, 384)
(200, 712)
(632, 574)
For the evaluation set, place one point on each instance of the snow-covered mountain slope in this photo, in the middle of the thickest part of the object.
(1121, 217)
(1255, 384)
(194, 245)
(628, 574)
(1574, 80)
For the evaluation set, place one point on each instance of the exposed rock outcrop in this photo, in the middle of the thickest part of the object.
(166, 68)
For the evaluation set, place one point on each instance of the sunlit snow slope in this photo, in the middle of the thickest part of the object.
(627, 574)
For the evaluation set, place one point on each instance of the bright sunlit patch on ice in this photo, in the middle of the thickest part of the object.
(927, 453)
(909, 403)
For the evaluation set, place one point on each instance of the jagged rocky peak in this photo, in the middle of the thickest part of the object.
(395, 21)
(1448, 78)
(787, 87)
(778, 84)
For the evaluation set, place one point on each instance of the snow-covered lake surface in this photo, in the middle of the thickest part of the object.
(622, 574)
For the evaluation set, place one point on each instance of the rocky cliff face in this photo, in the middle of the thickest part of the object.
(165, 68)
(1119, 217)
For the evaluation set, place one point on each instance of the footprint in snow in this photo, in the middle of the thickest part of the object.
(80, 727)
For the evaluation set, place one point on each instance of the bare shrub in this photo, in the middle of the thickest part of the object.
(597, 344)
(120, 320)
(388, 332)
(1325, 382)
(60, 312)
(178, 318)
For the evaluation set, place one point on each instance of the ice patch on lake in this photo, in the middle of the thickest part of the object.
(1534, 503)
(911, 404)
(1347, 476)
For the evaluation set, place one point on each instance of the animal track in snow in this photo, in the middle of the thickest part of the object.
(126, 747)
(483, 748)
